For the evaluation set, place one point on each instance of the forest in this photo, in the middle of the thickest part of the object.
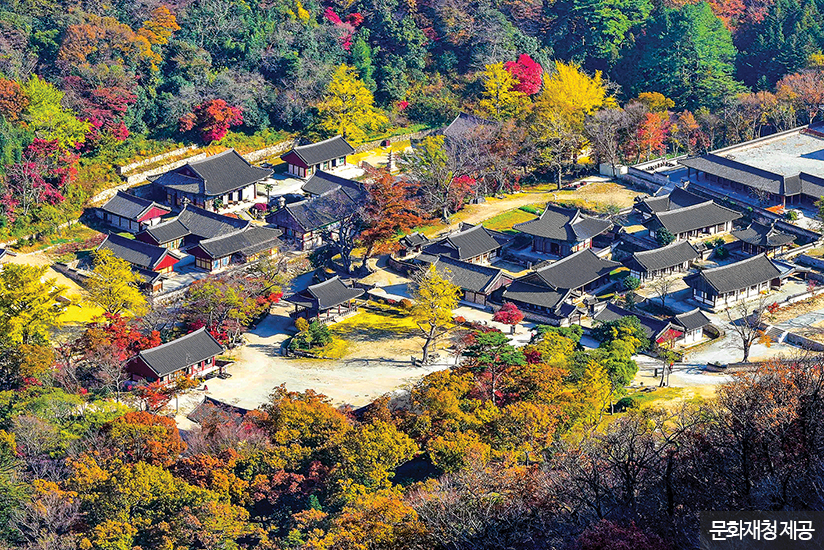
(88, 85)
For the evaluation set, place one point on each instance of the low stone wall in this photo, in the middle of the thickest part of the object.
(803, 342)
(810, 261)
(143, 176)
(266, 152)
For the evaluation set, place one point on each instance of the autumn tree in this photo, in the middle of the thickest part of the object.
(509, 314)
(435, 297)
(348, 108)
(212, 119)
(501, 99)
(606, 131)
(651, 136)
(13, 100)
(47, 117)
(145, 437)
(807, 87)
(570, 92)
(389, 211)
(114, 285)
(686, 133)
(491, 356)
(527, 73)
(436, 174)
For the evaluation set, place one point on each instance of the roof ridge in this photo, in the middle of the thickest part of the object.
(690, 207)
(739, 262)
(166, 344)
(327, 140)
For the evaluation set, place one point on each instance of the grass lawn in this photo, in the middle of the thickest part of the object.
(643, 398)
(504, 221)
(81, 313)
(388, 323)
(77, 233)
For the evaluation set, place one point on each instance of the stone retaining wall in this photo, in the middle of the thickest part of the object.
(121, 170)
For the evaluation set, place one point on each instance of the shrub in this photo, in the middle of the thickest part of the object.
(301, 324)
(632, 283)
(791, 215)
(459, 320)
(531, 209)
(319, 333)
(406, 304)
(663, 237)
(721, 253)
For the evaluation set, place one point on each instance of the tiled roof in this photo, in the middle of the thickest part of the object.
(322, 183)
(468, 276)
(213, 410)
(564, 224)
(691, 218)
(187, 350)
(673, 254)
(327, 294)
(763, 234)
(135, 252)
(811, 185)
(576, 270)
(651, 325)
(196, 221)
(465, 244)
(464, 125)
(413, 240)
(691, 320)
(130, 207)
(541, 296)
(214, 176)
(737, 171)
(744, 274)
(677, 198)
(321, 211)
(328, 149)
(248, 241)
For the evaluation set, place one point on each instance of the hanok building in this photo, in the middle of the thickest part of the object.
(720, 287)
(242, 246)
(192, 355)
(801, 188)
(693, 221)
(763, 238)
(326, 300)
(323, 183)
(676, 199)
(412, 243)
(305, 160)
(692, 324)
(477, 282)
(150, 262)
(306, 222)
(191, 226)
(660, 262)
(214, 183)
(133, 214)
(473, 243)
(561, 231)
(549, 292)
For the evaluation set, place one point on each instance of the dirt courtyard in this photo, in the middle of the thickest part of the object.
(377, 362)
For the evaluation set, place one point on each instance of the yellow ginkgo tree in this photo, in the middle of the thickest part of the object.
(348, 109)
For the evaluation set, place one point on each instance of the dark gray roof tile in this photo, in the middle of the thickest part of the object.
(691, 218)
(763, 234)
(564, 224)
(130, 207)
(673, 254)
(135, 252)
(316, 153)
(187, 350)
(736, 276)
(326, 294)
(215, 175)
(465, 244)
(576, 270)
(691, 320)
(251, 240)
